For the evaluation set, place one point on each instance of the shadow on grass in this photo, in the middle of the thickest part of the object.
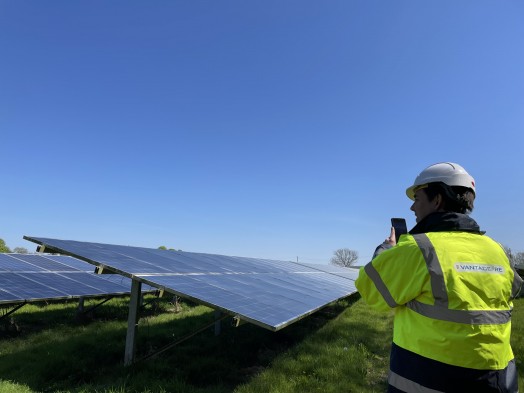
(232, 358)
(56, 352)
(37, 316)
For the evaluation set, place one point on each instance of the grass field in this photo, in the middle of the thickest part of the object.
(345, 347)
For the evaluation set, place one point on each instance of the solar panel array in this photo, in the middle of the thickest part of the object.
(35, 277)
(269, 293)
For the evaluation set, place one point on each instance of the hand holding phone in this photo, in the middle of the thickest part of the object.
(400, 227)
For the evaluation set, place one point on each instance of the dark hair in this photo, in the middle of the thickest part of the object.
(456, 199)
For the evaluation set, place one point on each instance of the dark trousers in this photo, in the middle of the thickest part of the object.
(446, 378)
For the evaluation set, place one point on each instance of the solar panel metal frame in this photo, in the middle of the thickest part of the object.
(103, 261)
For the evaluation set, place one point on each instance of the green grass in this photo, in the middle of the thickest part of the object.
(348, 354)
(517, 337)
(344, 347)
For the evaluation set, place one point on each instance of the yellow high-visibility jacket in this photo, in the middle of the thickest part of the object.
(451, 293)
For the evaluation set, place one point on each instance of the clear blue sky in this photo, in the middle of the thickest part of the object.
(274, 129)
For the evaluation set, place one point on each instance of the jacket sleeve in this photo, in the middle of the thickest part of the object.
(381, 247)
(394, 277)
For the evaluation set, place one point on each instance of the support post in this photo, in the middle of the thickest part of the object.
(218, 326)
(132, 322)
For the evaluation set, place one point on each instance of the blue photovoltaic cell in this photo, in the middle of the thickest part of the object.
(43, 262)
(269, 293)
(33, 277)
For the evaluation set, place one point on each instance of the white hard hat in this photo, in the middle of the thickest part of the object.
(446, 172)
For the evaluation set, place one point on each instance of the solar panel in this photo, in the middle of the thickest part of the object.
(35, 277)
(268, 293)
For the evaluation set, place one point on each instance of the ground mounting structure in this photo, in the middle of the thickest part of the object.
(268, 293)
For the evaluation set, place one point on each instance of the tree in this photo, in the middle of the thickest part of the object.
(3, 246)
(344, 257)
(20, 250)
(515, 258)
(518, 259)
(165, 248)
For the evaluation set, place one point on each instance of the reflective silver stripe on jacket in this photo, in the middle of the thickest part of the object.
(440, 310)
(379, 284)
(406, 385)
(438, 285)
(488, 317)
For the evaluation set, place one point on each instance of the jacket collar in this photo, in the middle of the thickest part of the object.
(446, 222)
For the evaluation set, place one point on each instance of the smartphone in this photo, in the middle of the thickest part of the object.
(400, 227)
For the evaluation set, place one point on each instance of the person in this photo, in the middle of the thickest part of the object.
(451, 289)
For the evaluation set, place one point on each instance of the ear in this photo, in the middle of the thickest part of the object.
(438, 201)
